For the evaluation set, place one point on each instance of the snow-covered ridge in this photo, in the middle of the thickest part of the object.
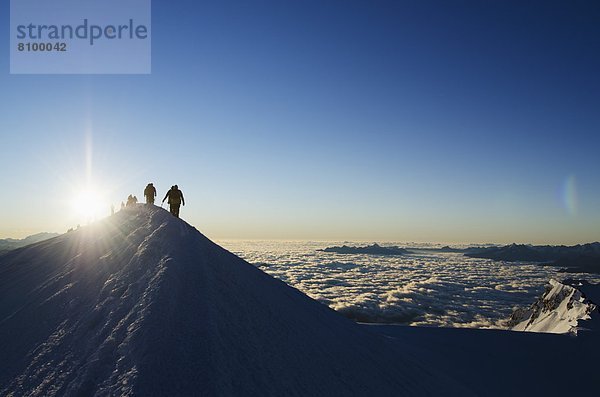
(142, 304)
(563, 308)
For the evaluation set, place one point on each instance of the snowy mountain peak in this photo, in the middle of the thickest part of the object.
(561, 309)
(141, 303)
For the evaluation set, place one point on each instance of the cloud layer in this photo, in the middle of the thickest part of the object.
(424, 288)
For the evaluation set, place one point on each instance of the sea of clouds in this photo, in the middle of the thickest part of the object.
(422, 288)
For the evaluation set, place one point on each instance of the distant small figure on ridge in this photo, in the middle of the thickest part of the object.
(150, 193)
(122, 205)
(112, 209)
(176, 199)
(131, 200)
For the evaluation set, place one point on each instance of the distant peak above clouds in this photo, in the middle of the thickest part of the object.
(373, 249)
(10, 243)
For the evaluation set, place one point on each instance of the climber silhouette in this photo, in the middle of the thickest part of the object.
(150, 193)
(131, 200)
(176, 199)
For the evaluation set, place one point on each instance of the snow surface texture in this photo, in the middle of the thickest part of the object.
(143, 304)
(562, 309)
(421, 288)
(504, 363)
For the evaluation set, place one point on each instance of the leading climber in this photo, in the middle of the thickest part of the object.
(176, 199)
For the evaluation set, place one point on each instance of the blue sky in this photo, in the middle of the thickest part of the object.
(409, 121)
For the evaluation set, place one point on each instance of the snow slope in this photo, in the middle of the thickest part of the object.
(562, 309)
(143, 304)
(494, 362)
(503, 363)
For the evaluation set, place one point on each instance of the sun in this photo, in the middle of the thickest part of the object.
(89, 204)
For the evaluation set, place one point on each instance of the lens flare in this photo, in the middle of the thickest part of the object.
(569, 195)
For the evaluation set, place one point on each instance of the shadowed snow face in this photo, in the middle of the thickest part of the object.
(424, 288)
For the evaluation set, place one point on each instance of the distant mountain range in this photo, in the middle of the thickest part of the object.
(9, 244)
(584, 258)
(581, 258)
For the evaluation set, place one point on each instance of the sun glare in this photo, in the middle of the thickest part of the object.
(89, 204)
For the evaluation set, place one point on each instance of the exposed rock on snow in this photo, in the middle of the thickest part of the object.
(142, 304)
(561, 309)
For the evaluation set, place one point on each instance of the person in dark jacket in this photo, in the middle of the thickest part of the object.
(150, 193)
(176, 199)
